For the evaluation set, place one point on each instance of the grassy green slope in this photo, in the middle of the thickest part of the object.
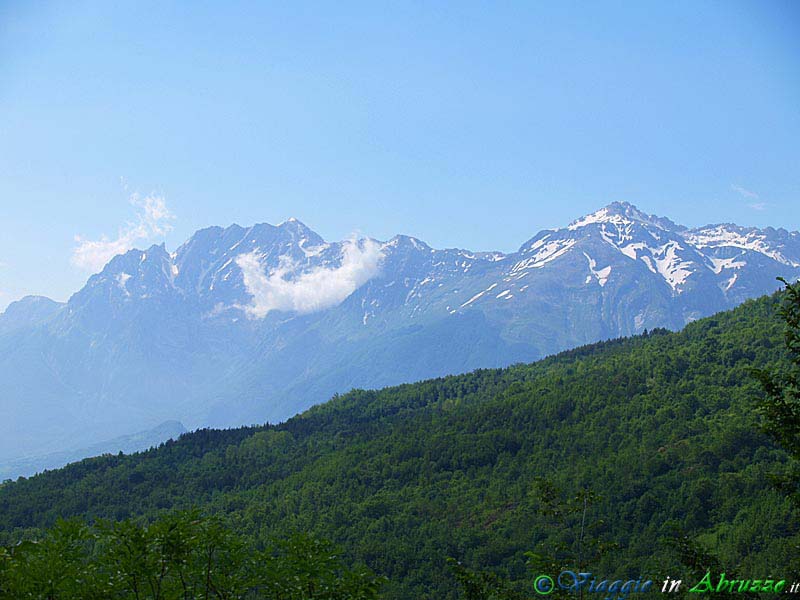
(662, 428)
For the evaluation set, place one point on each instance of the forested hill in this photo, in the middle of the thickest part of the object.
(658, 433)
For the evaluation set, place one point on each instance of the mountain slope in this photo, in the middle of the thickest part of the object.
(128, 444)
(243, 325)
(661, 428)
(27, 312)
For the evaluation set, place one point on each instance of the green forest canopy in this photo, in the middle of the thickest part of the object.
(656, 438)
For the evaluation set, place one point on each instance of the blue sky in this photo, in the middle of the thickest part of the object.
(465, 124)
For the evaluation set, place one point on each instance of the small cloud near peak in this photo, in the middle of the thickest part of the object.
(153, 220)
(310, 291)
(745, 192)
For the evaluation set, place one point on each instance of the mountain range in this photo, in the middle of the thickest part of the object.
(632, 458)
(251, 324)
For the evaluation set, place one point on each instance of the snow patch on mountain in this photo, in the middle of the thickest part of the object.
(631, 249)
(719, 264)
(601, 216)
(478, 295)
(672, 267)
(311, 251)
(122, 281)
(600, 274)
(716, 236)
(543, 253)
(649, 262)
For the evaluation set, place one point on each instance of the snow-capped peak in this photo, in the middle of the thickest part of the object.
(779, 245)
(294, 225)
(401, 240)
(621, 214)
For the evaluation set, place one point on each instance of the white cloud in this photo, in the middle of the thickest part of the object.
(745, 192)
(750, 195)
(310, 291)
(153, 219)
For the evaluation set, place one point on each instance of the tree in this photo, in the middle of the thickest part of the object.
(180, 556)
(482, 585)
(780, 406)
(575, 541)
